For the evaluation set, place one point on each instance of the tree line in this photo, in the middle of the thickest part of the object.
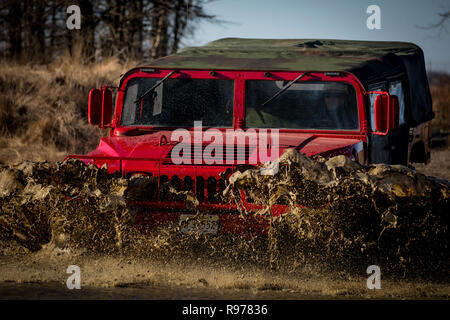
(35, 30)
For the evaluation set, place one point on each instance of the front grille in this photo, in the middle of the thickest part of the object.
(241, 154)
(206, 190)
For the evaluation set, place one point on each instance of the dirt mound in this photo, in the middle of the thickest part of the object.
(341, 215)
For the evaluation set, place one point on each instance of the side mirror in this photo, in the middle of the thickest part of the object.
(386, 112)
(381, 107)
(95, 107)
(106, 108)
(100, 107)
(394, 114)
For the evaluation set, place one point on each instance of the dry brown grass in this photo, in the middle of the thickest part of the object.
(439, 165)
(440, 93)
(440, 128)
(43, 109)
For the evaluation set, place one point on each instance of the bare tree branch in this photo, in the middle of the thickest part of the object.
(441, 24)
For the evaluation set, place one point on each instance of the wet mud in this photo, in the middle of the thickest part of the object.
(342, 218)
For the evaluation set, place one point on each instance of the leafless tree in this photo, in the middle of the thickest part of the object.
(443, 20)
(444, 17)
(36, 29)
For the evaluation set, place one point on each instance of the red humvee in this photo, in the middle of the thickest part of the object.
(369, 101)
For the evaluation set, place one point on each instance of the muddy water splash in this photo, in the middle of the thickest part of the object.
(343, 216)
(350, 216)
(73, 207)
(67, 203)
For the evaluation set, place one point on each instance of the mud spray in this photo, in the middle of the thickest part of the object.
(343, 217)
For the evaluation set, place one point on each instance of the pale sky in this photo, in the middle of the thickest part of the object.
(332, 19)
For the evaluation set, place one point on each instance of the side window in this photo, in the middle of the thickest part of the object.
(396, 89)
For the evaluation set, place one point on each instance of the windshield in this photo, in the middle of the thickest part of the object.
(179, 102)
(304, 105)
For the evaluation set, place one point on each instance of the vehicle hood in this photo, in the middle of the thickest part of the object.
(150, 146)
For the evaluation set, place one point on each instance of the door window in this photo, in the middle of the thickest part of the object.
(396, 89)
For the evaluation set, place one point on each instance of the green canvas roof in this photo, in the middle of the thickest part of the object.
(369, 61)
(283, 54)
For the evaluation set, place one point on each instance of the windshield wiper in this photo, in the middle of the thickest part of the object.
(284, 89)
(156, 85)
